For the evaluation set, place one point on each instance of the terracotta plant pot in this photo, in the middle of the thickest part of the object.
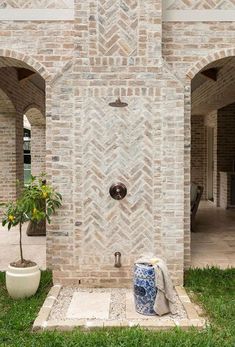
(22, 282)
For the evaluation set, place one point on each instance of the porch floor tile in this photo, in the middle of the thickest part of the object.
(213, 242)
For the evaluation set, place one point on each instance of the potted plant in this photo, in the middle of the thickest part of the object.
(36, 228)
(37, 202)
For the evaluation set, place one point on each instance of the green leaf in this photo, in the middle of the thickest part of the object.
(38, 201)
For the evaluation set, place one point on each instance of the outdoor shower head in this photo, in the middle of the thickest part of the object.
(118, 103)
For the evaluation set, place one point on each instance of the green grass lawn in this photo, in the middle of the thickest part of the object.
(214, 289)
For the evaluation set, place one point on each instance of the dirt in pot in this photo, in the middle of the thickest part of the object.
(25, 263)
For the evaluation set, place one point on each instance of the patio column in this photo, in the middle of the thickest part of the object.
(38, 149)
(11, 159)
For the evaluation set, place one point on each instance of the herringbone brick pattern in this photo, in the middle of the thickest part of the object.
(117, 27)
(118, 146)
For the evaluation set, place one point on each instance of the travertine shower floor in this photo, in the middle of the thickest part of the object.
(69, 308)
(213, 243)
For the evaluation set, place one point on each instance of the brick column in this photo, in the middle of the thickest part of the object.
(37, 121)
(125, 29)
(150, 29)
(11, 159)
(38, 149)
(19, 153)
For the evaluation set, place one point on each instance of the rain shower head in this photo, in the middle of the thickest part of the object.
(118, 103)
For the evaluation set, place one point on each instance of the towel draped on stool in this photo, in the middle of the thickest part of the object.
(164, 302)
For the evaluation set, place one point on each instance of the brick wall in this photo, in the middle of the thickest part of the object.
(226, 138)
(224, 198)
(225, 141)
(50, 43)
(38, 149)
(226, 187)
(211, 121)
(199, 148)
(183, 46)
(198, 152)
(106, 52)
(8, 149)
(109, 145)
(38, 140)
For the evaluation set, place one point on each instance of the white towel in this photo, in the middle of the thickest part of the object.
(164, 302)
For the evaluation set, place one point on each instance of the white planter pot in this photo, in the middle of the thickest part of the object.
(22, 282)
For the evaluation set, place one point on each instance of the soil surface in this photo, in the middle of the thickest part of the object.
(25, 263)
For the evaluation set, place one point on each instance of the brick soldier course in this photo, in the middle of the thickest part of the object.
(89, 53)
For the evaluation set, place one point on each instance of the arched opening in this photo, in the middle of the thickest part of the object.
(37, 124)
(23, 147)
(212, 196)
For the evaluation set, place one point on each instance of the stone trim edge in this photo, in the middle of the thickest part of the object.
(41, 321)
(198, 16)
(35, 14)
(58, 14)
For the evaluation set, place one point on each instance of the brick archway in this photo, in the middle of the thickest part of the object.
(191, 73)
(204, 61)
(31, 62)
(27, 98)
(35, 114)
(17, 98)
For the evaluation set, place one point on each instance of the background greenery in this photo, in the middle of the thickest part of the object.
(214, 289)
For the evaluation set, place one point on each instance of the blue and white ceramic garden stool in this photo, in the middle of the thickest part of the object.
(145, 290)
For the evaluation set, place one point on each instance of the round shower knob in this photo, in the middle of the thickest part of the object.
(118, 191)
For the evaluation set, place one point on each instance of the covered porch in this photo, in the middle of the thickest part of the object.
(213, 242)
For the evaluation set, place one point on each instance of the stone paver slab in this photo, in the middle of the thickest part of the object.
(86, 305)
